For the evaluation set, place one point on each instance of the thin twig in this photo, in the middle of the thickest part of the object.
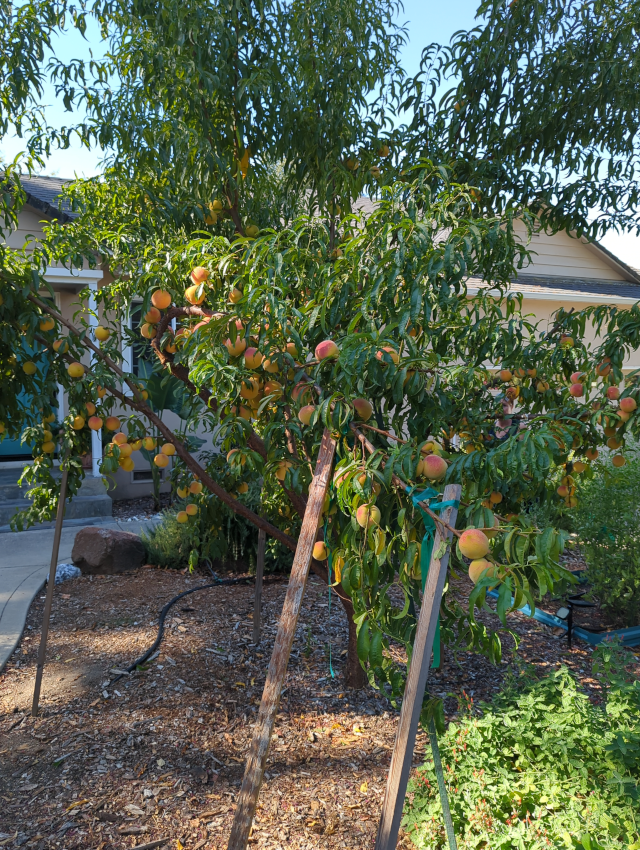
(384, 433)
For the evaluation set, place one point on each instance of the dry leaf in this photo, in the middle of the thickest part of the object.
(364, 787)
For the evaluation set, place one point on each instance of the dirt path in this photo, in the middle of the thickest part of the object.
(160, 755)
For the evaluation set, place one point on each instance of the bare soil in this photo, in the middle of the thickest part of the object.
(141, 508)
(160, 754)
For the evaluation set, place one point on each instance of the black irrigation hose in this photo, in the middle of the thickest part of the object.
(146, 655)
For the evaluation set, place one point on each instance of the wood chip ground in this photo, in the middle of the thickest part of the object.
(157, 758)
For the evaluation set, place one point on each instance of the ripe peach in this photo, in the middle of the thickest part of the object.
(127, 463)
(75, 370)
(112, 423)
(579, 466)
(273, 388)
(270, 366)
(304, 388)
(195, 487)
(591, 454)
(235, 295)
(613, 393)
(363, 408)
(49, 447)
(623, 417)
(95, 423)
(232, 459)
(618, 461)
(199, 274)
(368, 515)
(119, 439)
(102, 333)
(90, 408)
(495, 498)
(182, 516)
(628, 404)
(243, 487)
(161, 299)
(281, 469)
(292, 349)
(47, 324)
(562, 490)
(326, 349)
(473, 543)
(161, 460)
(566, 341)
(147, 331)
(305, 413)
(603, 369)
(236, 348)
(614, 443)
(136, 445)
(477, 567)
(505, 375)
(434, 467)
(191, 509)
(393, 354)
(149, 443)
(152, 316)
(577, 377)
(250, 388)
(532, 373)
(320, 551)
(576, 390)
(125, 449)
(252, 358)
(168, 449)
(78, 423)
(542, 386)
(61, 346)
(191, 295)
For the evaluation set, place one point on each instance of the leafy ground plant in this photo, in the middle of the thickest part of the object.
(541, 767)
(607, 525)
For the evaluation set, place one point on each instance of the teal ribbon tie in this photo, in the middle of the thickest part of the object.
(427, 546)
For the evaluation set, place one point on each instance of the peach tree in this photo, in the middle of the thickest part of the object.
(364, 326)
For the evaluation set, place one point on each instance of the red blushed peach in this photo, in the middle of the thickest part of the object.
(505, 375)
(474, 543)
(326, 349)
(476, 568)
(576, 390)
(628, 404)
(305, 414)
(367, 515)
(236, 348)
(252, 358)
(199, 274)
(434, 467)
(613, 393)
(577, 377)
(393, 354)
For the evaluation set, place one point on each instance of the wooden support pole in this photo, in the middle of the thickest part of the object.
(257, 604)
(42, 651)
(416, 681)
(254, 771)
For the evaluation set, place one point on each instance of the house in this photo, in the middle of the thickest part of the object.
(565, 272)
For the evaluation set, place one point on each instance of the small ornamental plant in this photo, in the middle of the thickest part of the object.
(541, 766)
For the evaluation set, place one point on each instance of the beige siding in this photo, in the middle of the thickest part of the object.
(29, 224)
(563, 255)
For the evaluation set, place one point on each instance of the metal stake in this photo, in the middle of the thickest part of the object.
(257, 605)
(42, 651)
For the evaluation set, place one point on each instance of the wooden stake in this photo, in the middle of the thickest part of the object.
(254, 771)
(416, 681)
(257, 605)
(42, 651)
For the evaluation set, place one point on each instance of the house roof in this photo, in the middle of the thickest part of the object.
(569, 289)
(44, 194)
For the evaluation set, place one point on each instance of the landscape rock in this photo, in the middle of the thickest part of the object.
(105, 551)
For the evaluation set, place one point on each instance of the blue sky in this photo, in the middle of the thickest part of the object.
(427, 21)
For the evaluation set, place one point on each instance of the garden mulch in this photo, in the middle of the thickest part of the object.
(159, 755)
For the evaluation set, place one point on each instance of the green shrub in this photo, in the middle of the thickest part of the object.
(542, 767)
(607, 522)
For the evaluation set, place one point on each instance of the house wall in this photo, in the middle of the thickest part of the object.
(562, 255)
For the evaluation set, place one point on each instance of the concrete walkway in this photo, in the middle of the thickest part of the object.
(25, 558)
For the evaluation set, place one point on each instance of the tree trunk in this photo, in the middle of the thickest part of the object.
(354, 675)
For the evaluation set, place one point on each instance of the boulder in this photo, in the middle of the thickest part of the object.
(105, 551)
